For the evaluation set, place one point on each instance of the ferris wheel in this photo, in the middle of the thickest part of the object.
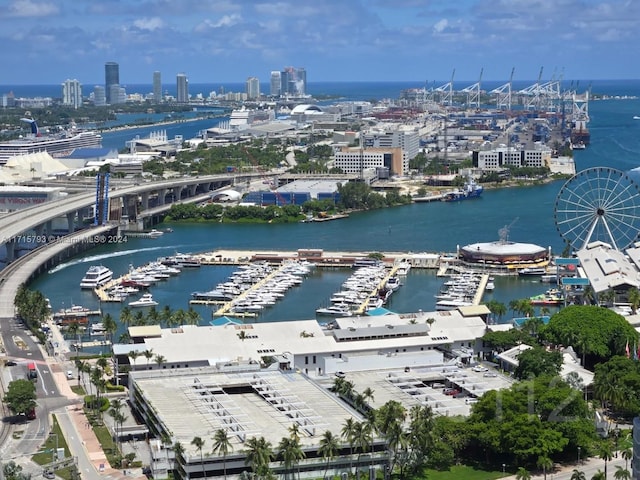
(599, 203)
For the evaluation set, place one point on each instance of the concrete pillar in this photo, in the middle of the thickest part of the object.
(192, 190)
(48, 227)
(161, 194)
(71, 217)
(39, 230)
(11, 250)
(145, 200)
(177, 191)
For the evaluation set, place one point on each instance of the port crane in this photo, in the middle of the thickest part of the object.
(503, 93)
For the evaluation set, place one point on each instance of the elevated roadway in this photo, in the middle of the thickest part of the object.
(14, 226)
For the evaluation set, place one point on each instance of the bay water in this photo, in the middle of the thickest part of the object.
(434, 227)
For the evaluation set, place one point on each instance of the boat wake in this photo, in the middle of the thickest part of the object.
(94, 258)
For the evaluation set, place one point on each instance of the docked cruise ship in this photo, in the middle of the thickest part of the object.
(56, 145)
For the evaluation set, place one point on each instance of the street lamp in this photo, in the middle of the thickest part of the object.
(578, 453)
(54, 455)
(503, 467)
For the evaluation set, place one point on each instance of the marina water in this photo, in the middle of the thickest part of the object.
(435, 227)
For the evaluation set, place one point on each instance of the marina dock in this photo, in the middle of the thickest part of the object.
(363, 307)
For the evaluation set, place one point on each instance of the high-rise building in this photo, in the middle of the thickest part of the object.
(276, 83)
(157, 87)
(293, 81)
(99, 96)
(72, 93)
(182, 88)
(253, 88)
(117, 94)
(111, 77)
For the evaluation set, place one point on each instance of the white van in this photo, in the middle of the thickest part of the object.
(470, 400)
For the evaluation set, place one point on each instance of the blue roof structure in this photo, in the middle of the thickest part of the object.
(377, 312)
(89, 153)
(221, 321)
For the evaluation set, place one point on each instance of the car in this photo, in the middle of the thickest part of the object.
(460, 395)
(452, 392)
(340, 374)
(11, 363)
(48, 474)
(470, 400)
(490, 374)
(70, 375)
(480, 368)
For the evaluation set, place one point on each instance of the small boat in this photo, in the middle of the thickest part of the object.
(490, 286)
(636, 117)
(153, 233)
(146, 300)
(97, 329)
(532, 271)
(335, 311)
(470, 189)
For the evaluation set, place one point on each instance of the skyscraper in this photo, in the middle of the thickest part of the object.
(182, 88)
(293, 81)
(253, 88)
(72, 93)
(157, 87)
(111, 77)
(276, 88)
(99, 96)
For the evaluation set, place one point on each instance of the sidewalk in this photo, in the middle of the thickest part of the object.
(589, 466)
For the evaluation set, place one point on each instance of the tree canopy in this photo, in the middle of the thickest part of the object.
(617, 383)
(537, 361)
(20, 396)
(597, 332)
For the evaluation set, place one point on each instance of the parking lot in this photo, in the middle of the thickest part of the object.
(448, 390)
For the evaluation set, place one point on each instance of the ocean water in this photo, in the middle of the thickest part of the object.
(436, 227)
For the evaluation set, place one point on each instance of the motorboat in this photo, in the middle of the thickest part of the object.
(96, 276)
(146, 300)
(335, 311)
(97, 329)
(153, 233)
(532, 271)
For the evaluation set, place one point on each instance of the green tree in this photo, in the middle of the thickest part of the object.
(222, 446)
(538, 361)
(258, 456)
(198, 442)
(329, 449)
(20, 396)
(13, 471)
(545, 463)
(621, 473)
(605, 452)
(523, 474)
(578, 475)
(496, 308)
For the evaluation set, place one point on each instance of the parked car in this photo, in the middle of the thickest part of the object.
(340, 374)
(452, 392)
(480, 368)
(48, 474)
(490, 374)
(70, 375)
(460, 395)
(470, 400)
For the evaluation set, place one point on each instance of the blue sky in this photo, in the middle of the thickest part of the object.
(48, 41)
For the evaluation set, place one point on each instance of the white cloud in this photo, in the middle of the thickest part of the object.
(28, 8)
(228, 21)
(441, 26)
(150, 24)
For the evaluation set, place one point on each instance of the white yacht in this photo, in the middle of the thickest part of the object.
(96, 276)
(145, 300)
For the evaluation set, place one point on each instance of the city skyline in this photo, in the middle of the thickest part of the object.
(385, 40)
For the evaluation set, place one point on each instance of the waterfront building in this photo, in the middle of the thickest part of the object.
(111, 77)
(357, 160)
(293, 82)
(304, 113)
(182, 88)
(275, 84)
(394, 136)
(504, 255)
(499, 158)
(253, 88)
(117, 95)
(72, 93)
(157, 87)
(99, 96)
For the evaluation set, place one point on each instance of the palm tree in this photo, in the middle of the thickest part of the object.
(133, 355)
(362, 439)
(523, 474)
(578, 475)
(621, 473)
(290, 452)
(605, 452)
(367, 395)
(193, 317)
(126, 316)
(259, 455)
(348, 433)
(544, 463)
(160, 360)
(178, 452)
(634, 299)
(222, 445)
(148, 354)
(110, 326)
(294, 431)
(627, 454)
(199, 444)
(329, 449)
(73, 329)
(599, 475)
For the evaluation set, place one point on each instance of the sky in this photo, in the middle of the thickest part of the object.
(211, 41)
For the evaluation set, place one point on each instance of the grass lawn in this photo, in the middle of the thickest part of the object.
(462, 471)
(78, 390)
(48, 448)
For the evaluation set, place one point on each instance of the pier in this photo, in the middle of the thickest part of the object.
(363, 307)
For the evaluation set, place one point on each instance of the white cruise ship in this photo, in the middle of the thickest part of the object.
(96, 276)
(56, 146)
